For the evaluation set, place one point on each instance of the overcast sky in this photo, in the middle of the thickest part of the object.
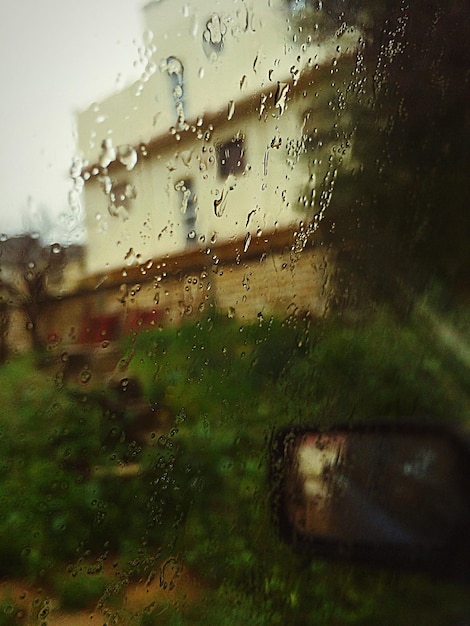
(56, 57)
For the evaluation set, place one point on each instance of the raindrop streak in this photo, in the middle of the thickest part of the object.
(85, 376)
(231, 109)
(249, 216)
(108, 153)
(220, 204)
(127, 156)
(281, 94)
(246, 245)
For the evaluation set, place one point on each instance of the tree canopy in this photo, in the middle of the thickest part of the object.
(407, 200)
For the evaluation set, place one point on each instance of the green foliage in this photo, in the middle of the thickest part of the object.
(213, 459)
(10, 613)
(378, 368)
(60, 488)
(198, 493)
(43, 504)
(82, 590)
(193, 365)
(402, 198)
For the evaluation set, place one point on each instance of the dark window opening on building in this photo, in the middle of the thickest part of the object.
(122, 194)
(231, 157)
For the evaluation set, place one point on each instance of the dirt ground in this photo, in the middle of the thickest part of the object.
(170, 586)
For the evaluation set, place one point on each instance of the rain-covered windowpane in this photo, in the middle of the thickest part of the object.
(223, 220)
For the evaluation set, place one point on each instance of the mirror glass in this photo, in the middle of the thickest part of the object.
(375, 488)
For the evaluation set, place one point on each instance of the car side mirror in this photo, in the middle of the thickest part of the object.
(393, 494)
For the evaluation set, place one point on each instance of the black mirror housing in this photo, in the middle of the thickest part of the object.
(392, 494)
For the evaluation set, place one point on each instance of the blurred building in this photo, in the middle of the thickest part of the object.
(209, 146)
(204, 182)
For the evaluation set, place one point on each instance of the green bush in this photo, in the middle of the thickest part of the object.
(378, 368)
(201, 493)
(81, 591)
(227, 399)
(54, 505)
(10, 613)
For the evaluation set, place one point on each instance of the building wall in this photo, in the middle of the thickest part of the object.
(172, 230)
(273, 280)
(18, 336)
(258, 49)
(259, 85)
(278, 283)
(262, 195)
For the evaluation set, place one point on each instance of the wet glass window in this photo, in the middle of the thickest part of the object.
(258, 220)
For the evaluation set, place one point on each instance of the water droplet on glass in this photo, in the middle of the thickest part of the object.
(76, 167)
(85, 376)
(219, 204)
(215, 31)
(280, 97)
(108, 153)
(127, 156)
(246, 245)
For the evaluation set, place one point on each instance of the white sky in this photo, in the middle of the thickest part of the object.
(56, 57)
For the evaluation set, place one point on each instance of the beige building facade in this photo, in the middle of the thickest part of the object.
(211, 145)
(204, 184)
